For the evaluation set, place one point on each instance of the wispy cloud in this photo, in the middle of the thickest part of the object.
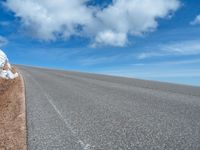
(196, 20)
(3, 41)
(144, 55)
(169, 74)
(153, 73)
(90, 61)
(177, 62)
(4, 23)
(178, 49)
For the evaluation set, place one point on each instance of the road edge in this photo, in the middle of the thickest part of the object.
(23, 110)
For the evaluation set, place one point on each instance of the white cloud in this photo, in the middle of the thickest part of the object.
(196, 20)
(177, 49)
(49, 20)
(110, 38)
(133, 17)
(3, 41)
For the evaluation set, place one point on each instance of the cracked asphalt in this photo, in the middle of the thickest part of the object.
(80, 111)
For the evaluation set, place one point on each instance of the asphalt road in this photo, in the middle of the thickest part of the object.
(79, 111)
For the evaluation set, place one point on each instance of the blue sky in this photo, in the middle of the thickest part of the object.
(156, 39)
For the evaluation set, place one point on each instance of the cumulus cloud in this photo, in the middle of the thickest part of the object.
(112, 25)
(3, 41)
(133, 17)
(110, 38)
(51, 19)
(196, 20)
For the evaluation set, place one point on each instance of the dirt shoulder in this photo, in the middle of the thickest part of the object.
(12, 115)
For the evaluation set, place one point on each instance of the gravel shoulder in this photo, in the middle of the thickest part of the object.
(12, 114)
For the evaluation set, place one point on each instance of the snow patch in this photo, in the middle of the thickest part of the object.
(5, 67)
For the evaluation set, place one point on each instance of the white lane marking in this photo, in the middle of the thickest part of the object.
(84, 145)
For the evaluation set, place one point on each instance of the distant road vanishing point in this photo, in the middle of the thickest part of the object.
(80, 111)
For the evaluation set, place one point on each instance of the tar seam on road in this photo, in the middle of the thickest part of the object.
(25, 113)
(84, 145)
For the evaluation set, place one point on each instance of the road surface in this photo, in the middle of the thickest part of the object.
(79, 111)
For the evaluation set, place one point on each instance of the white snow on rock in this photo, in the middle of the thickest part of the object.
(5, 67)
